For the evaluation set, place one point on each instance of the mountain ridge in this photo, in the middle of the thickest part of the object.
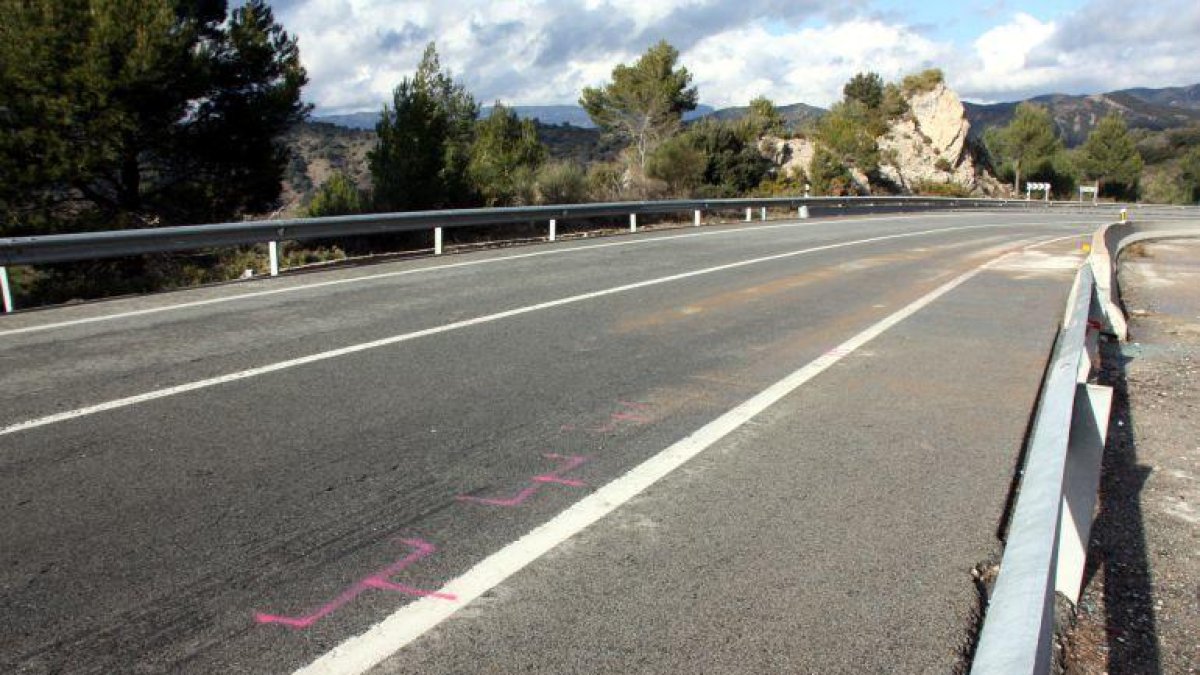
(1075, 115)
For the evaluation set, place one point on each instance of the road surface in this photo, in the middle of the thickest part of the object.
(745, 448)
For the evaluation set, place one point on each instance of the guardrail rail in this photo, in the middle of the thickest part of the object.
(117, 243)
(1046, 547)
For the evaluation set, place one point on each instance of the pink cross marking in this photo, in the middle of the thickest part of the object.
(568, 463)
(379, 580)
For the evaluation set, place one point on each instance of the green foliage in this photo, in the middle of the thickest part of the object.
(679, 164)
(828, 174)
(894, 104)
(734, 166)
(1110, 157)
(1189, 176)
(922, 82)
(936, 189)
(605, 181)
(424, 142)
(849, 131)
(337, 196)
(562, 183)
(645, 102)
(504, 156)
(141, 112)
(866, 89)
(763, 118)
(1028, 144)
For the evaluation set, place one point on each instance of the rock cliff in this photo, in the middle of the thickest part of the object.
(927, 145)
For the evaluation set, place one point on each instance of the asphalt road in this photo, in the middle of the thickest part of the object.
(240, 478)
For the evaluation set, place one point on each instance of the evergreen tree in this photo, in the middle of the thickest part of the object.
(1110, 157)
(645, 102)
(337, 196)
(763, 118)
(505, 153)
(424, 142)
(1028, 143)
(866, 89)
(118, 113)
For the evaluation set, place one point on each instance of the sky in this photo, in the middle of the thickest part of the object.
(542, 52)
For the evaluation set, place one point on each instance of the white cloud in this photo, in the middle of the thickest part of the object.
(1102, 46)
(809, 65)
(544, 51)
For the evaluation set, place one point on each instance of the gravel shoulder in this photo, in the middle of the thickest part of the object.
(1140, 611)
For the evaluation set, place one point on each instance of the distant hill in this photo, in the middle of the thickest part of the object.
(552, 115)
(795, 115)
(1076, 116)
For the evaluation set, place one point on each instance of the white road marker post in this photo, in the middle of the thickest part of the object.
(762, 214)
(803, 212)
(633, 222)
(273, 255)
(749, 211)
(553, 229)
(437, 241)
(5, 290)
(696, 220)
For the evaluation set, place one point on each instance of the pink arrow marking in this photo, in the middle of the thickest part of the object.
(569, 463)
(379, 580)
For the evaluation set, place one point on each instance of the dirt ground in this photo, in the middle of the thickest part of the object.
(1140, 611)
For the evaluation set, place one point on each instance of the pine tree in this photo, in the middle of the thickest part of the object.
(424, 142)
(1028, 143)
(505, 153)
(1110, 157)
(645, 102)
(141, 112)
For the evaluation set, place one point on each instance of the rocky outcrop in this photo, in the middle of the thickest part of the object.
(793, 156)
(927, 145)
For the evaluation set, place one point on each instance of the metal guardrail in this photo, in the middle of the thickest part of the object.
(116, 243)
(1047, 539)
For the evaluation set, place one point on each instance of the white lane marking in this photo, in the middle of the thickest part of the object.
(363, 652)
(468, 263)
(404, 337)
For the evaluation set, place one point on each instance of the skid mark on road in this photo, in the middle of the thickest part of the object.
(380, 580)
(363, 652)
(567, 464)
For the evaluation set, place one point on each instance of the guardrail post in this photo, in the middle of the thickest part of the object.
(437, 241)
(748, 212)
(553, 228)
(5, 290)
(696, 220)
(633, 222)
(803, 212)
(273, 254)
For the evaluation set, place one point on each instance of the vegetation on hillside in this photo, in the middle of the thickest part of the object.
(142, 113)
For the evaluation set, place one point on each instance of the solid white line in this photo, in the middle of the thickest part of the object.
(363, 652)
(404, 337)
(435, 268)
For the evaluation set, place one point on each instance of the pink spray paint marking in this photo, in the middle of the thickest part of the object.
(379, 580)
(568, 463)
(633, 415)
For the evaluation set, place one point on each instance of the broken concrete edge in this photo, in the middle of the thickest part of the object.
(1107, 245)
